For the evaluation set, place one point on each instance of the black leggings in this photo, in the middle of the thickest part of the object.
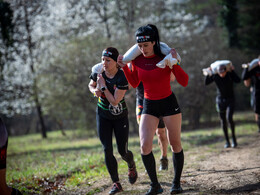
(226, 109)
(105, 128)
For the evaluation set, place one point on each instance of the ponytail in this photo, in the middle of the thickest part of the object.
(157, 48)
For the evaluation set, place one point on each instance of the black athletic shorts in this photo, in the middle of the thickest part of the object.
(160, 108)
(223, 103)
(139, 110)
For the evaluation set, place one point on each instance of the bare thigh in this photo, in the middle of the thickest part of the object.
(147, 128)
(173, 125)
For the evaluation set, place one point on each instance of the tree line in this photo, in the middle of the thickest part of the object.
(48, 48)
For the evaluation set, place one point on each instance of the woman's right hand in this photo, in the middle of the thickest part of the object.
(120, 61)
(174, 53)
(97, 92)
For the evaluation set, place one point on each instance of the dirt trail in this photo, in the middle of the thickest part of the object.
(229, 171)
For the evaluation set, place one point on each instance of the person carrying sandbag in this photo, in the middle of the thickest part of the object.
(159, 101)
(251, 77)
(110, 87)
(224, 76)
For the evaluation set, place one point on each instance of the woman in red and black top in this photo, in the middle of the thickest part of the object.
(159, 101)
(4, 189)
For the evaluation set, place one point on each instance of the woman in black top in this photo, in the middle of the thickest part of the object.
(112, 116)
(252, 78)
(225, 100)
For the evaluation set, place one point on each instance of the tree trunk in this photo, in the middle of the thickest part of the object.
(40, 115)
(35, 87)
(60, 124)
(229, 15)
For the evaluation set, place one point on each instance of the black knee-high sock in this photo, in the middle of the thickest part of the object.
(149, 163)
(178, 161)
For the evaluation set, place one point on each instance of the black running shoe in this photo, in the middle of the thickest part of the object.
(227, 145)
(16, 192)
(234, 143)
(163, 164)
(155, 190)
(176, 189)
(132, 175)
(116, 188)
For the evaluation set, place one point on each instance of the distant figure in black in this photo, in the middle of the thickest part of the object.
(252, 78)
(225, 100)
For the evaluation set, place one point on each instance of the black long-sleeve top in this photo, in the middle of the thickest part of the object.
(254, 75)
(225, 84)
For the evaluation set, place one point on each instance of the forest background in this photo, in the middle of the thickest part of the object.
(47, 49)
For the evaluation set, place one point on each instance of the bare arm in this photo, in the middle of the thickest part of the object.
(93, 88)
(113, 99)
(118, 96)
